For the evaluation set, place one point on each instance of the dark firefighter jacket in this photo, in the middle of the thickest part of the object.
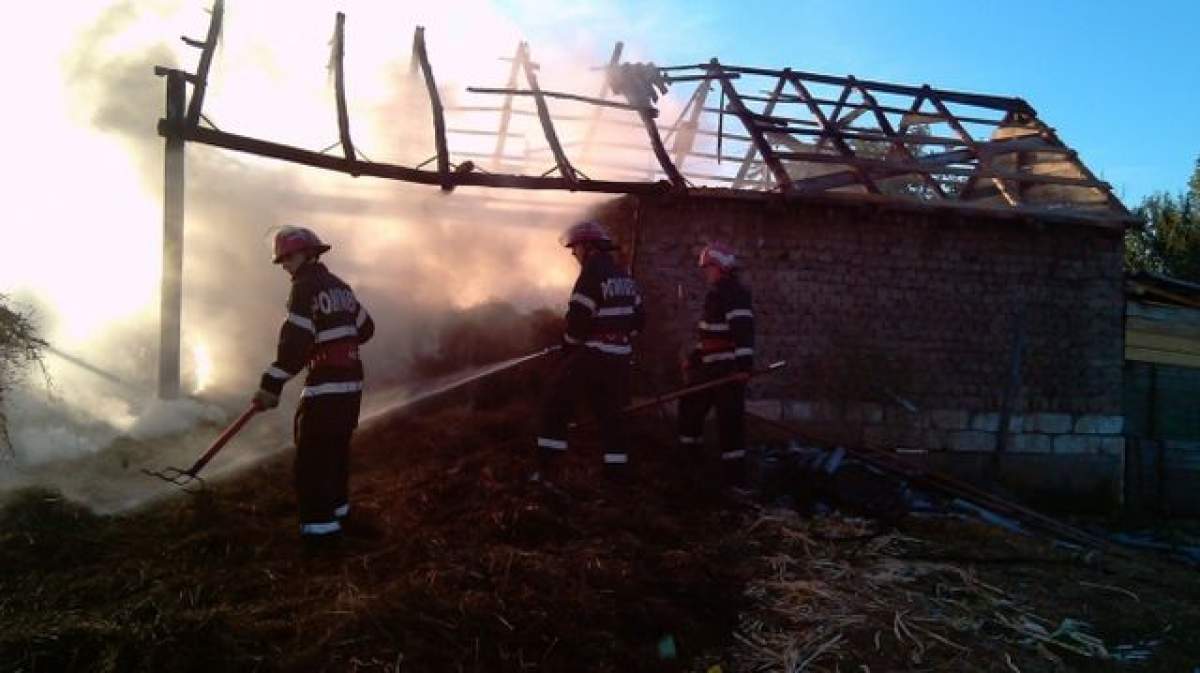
(323, 329)
(726, 329)
(605, 309)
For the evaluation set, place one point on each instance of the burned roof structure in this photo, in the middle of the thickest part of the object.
(758, 132)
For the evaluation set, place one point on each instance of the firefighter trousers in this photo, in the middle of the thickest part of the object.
(600, 379)
(323, 427)
(730, 403)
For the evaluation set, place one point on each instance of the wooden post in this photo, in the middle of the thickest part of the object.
(435, 103)
(171, 294)
(200, 82)
(339, 85)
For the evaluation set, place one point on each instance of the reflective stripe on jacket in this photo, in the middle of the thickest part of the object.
(322, 331)
(725, 331)
(605, 308)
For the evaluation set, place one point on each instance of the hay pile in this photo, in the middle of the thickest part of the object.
(833, 593)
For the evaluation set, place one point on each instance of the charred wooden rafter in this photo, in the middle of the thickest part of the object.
(421, 56)
(337, 63)
(207, 48)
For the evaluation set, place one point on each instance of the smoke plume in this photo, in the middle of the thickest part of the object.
(88, 220)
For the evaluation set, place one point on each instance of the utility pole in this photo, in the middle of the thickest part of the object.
(171, 294)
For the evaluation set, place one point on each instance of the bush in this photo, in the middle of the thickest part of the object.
(20, 348)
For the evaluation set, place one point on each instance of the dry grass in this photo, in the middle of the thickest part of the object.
(475, 570)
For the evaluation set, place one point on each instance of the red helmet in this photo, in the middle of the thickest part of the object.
(588, 231)
(719, 255)
(296, 239)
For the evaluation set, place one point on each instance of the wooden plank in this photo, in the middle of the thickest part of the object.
(502, 159)
(694, 78)
(506, 110)
(562, 96)
(1142, 354)
(565, 170)
(769, 119)
(759, 184)
(1176, 329)
(991, 148)
(786, 98)
(601, 143)
(1165, 315)
(1005, 104)
(208, 47)
(435, 104)
(1162, 342)
(871, 135)
(725, 157)
(910, 167)
(482, 132)
(339, 84)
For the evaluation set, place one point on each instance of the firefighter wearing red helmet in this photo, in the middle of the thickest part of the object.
(724, 346)
(603, 313)
(324, 327)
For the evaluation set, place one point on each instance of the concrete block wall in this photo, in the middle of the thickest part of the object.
(882, 312)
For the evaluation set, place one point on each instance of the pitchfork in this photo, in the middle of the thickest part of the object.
(185, 478)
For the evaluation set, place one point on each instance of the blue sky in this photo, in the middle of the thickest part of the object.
(1120, 81)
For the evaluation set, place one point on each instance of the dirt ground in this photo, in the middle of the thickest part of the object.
(474, 569)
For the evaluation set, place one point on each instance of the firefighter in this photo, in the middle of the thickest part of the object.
(725, 346)
(603, 313)
(324, 327)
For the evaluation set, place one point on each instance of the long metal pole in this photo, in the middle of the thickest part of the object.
(171, 306)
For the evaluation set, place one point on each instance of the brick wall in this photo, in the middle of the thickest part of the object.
(871, 307)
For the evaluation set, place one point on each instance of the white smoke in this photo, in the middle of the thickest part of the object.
(84, 248)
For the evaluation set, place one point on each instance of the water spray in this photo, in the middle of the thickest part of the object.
(89, 367)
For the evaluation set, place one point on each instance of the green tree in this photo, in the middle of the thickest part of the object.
(1169, 241)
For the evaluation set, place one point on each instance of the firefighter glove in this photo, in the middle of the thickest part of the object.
(265, 399)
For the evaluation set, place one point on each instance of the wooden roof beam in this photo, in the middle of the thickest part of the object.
(560, 158)
(208, 47)
(760, 143)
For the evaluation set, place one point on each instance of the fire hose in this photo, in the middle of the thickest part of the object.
(186, 477)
